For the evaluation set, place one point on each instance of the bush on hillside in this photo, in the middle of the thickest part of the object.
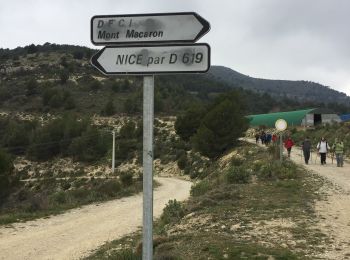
(108, 109)
(31, 87)
(277, 171)
(64, 76)
(126, 178)
(200, 188)
(128, 130)
(91, 146)
(173, 212)
(238, 175)
(7, 180)
(55, 137)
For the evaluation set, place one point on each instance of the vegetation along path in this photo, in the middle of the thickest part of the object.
(73, 234)
(334, 213)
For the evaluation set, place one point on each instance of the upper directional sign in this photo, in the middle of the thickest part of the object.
(190, 58)
(147, 28)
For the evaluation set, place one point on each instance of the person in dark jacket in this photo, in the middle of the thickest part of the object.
(306, 146)
(257, 137)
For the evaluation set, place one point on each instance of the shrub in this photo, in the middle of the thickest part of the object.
(31, 87)
(237, 161)
(65, 185)
(200, 188)
(237, 175)
(126, 178)
(95, 85)
(173, 212)
(128, 130)
(110, 188)
(108, 109)
(90, 146)
(64, 76)
(276, 170)
(182, 162)
(6, 170)
(59, 197)
(78, 55)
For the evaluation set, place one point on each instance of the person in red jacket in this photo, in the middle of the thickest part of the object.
(288, 144)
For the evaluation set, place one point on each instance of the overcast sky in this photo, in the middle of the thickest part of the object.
(274, 39)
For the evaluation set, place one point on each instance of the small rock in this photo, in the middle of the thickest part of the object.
(223, 227)
(235, 227)
(225, 256)
(284, 245)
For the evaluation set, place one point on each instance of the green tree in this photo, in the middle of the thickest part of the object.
(95, 85)
(128, 130)
(16, 136)
(78, 55)
(6, 170)
(91, 146)
(64, 76)
(108, 109)
(221, 127)
(31, 49)
(186, 125)
(31, 87)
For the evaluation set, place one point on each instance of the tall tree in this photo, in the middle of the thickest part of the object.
(221, 126)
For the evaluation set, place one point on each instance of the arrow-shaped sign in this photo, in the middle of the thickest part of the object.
(189, 58)
(147, 28)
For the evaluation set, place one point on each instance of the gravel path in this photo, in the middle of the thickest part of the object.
(75, 233)
(334, 213)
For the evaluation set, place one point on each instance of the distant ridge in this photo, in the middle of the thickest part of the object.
(299, 90)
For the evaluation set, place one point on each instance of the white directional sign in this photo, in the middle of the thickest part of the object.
(147, 28)
(153, 59)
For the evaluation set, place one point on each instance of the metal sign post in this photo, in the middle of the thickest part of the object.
(113, 151)
(281, 125)
(133, 52)
(148, 114)
(281, 148)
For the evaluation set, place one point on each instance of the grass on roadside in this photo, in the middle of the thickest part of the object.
(50, 196)
(253, 209)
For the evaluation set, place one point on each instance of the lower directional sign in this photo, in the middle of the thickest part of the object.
(157, 59)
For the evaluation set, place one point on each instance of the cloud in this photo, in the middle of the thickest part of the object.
(289, 39)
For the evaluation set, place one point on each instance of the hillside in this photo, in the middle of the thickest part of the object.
(53, 79)
(299, 90)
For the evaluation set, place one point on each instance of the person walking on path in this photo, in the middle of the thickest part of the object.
(257, 137)
(288, 144)
(306, 147)
(338, 148)
(323, 148)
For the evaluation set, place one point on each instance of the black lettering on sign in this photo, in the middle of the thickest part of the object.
(107, 35)
(136, 34)
(173, 58)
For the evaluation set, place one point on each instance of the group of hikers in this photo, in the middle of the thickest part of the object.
(266, 138)
(322, 147)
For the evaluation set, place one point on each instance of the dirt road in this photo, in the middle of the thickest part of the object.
(334, 213)
(75, 233)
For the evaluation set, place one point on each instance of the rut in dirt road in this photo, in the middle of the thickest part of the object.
(75, 233)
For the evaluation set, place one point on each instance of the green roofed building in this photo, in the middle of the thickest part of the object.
(306, 117)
